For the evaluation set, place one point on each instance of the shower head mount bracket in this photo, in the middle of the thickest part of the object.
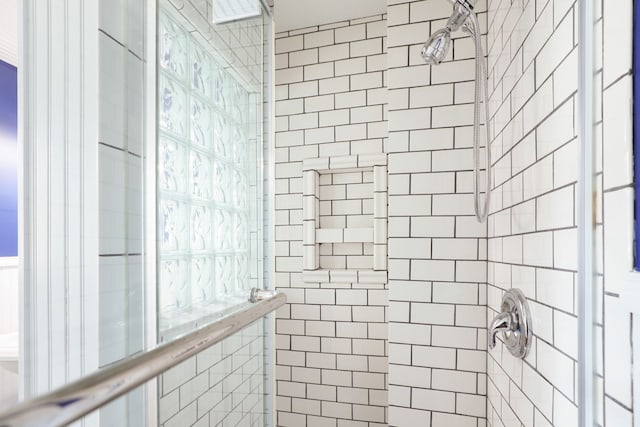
(468, 4)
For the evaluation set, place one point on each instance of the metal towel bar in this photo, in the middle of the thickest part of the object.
(78, 398)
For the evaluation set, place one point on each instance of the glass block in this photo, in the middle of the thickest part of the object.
(172, 53)
(201, 182)
(242, 274)
(172, 165)
(173, 107)
(220, 83)
(222, 183)
(240, 102)
(202, 284)
(230, 93)
(241, 189)
(224, 277)
(223, 233)
(239, 146)
(201, 71)
(201, 230)
(174, 285)
(173, 225)
(222, 137)
(241, 232)
(201, 123)
(207, 154)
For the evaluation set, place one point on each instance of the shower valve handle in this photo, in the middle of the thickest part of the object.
(514, 322)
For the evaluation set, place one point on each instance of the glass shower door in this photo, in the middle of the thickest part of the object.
(142, 215)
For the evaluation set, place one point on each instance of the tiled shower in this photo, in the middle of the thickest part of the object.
(332, 164)
(413, 351)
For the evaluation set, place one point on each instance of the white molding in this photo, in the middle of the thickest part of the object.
(354, 162)
(58, 124)
(9, 262)
(22, 36)
(9, 32)
(344, 276)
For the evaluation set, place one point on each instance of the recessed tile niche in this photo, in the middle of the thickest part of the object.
(345, 219)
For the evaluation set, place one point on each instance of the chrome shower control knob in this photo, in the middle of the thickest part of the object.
(256, 294)
(514, 321)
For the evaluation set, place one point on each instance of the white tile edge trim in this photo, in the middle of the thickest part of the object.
(344, 276)
(332, 163)
(344, 235)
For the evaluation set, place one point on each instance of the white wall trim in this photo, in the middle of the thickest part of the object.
(9, 32)
(58, 231)
(9, 262)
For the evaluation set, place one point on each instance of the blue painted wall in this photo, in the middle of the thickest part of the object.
(8, 160)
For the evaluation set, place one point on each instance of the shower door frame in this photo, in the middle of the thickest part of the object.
(586, 214)
(150, 201)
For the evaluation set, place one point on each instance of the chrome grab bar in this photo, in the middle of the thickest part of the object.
(81, 397)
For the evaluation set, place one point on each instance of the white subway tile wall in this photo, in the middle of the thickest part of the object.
(437, 250)
(447, 274)
(331, 103)
(532, 230)
(221, 386)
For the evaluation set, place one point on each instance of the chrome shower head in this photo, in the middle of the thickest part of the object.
(436, 48)
(433, 52)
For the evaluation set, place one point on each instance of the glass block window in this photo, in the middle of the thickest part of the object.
(208, 156)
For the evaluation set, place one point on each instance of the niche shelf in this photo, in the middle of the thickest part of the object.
(350, 194)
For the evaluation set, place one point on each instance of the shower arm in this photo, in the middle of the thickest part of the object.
(468, 4)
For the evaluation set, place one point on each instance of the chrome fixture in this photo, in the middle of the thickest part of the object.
(514, 321)
(79, 398)
(261, 295)
(433, 52)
